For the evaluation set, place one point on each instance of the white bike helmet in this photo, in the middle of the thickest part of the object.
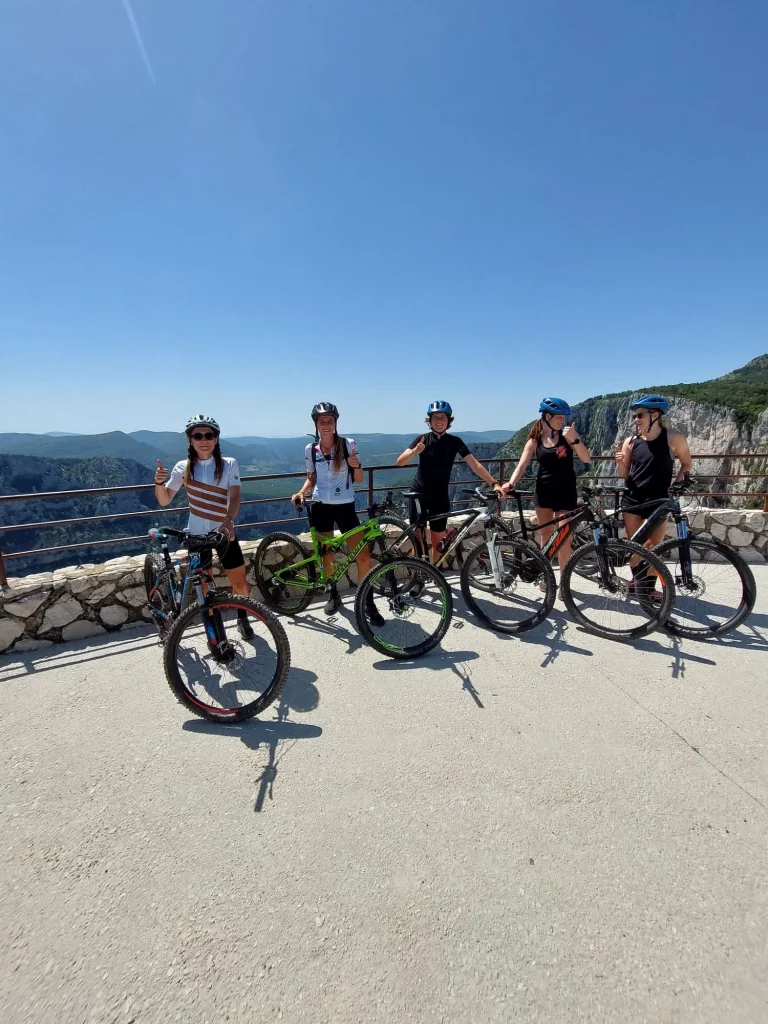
(201, 421)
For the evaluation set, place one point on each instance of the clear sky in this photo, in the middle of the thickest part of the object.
(244, 206)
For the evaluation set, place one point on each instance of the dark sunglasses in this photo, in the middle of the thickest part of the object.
(207, 436)
(638, 415)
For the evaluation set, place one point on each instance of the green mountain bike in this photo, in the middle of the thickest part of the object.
(403, 607)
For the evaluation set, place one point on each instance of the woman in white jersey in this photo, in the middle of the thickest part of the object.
(212, 483)
(333, 467)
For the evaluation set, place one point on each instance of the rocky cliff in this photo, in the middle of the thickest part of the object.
(741, 427)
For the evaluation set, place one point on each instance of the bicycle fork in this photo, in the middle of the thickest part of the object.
(494, 557)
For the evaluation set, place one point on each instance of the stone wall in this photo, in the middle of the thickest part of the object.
(88, 600)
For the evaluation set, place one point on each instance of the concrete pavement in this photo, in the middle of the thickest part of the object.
(550, 828)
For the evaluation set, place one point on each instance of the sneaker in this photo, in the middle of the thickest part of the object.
(244, 627)
(333, 603)
(374, 616)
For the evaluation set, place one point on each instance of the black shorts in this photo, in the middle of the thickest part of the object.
(325, 516)
(230, 555)
(633, 499)
(558, 499)
(436, 507)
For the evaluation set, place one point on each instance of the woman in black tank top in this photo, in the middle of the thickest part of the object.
(646, 462)
(554, 446)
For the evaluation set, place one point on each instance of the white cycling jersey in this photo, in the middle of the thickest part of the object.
(208, 497)
(331, 487)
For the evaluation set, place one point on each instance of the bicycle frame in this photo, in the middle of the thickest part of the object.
(198, 578)
(563, 524)
(321, 546)
(472, 514)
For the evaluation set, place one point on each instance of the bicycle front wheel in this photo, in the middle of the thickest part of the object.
(716, 595)
(228, 659)
(614, 601)
(409, 622)
(291, 592)
(526, 592)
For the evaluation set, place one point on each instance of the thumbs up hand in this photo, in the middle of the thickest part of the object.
(161, 473)
(419, 447)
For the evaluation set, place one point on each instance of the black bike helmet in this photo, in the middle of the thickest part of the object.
(324, 409)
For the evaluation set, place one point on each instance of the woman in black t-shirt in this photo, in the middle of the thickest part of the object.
(554, 446)
(437, 452)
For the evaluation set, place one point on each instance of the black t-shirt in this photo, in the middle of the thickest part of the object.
(436, 461)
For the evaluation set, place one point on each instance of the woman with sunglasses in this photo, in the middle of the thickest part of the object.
(212, 483)
(646, 461)
(554, 446)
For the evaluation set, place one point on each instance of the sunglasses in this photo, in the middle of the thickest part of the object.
(638, 415)
(207, 436)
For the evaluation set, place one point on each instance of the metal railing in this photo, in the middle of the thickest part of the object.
(370, 489)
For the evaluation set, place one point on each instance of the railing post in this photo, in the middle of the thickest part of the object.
(765, 509)
(370, 486)
(502, 470)
(3, 576)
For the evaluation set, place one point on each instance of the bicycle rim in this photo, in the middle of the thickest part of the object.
(527, 591)
(614, 603)
(716, 597)
(232, 676)
(415, 619)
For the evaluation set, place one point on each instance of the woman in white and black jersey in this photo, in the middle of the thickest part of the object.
(212, 483)
(333, 467)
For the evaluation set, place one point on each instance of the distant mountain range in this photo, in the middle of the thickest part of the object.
(255, 455)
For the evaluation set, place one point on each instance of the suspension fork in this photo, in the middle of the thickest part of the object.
(494, 555)
(214, 626)
(683, 535)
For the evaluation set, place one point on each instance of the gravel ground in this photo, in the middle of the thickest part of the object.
(552, 828)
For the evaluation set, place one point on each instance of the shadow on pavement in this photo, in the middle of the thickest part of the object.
(438, 660)
(552, 634)
(299, 694)
(331, 626)
(46, 659)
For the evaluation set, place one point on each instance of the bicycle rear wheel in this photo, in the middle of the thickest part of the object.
(415, 620)
(236, 673)
(717, 597)
(395, 544)
(613, 602)
(527, 592)
(277, 553)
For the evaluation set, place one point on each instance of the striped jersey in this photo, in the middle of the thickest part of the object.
(208, 498)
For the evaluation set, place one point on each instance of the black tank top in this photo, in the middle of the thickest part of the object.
(650, 472)
(555, 464)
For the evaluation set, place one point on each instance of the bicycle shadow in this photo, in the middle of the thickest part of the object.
(552, 634)
(300, 695)
(331, 627)
(438, 660)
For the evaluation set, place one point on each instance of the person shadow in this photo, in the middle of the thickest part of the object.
(438, 660)
(277, 735)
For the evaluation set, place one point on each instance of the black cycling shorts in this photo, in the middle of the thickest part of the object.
(230, 555)
(559, 499)
(436, 507)
(325, 516)
(632, 499)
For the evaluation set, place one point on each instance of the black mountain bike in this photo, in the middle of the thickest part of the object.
(715, 589)
(603, 591)
(226, 657)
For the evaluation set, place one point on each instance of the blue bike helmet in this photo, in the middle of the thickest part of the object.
(434, 407)
(555, 406)
(657, 402)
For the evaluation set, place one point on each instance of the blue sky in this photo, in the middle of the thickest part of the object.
(375, 202)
